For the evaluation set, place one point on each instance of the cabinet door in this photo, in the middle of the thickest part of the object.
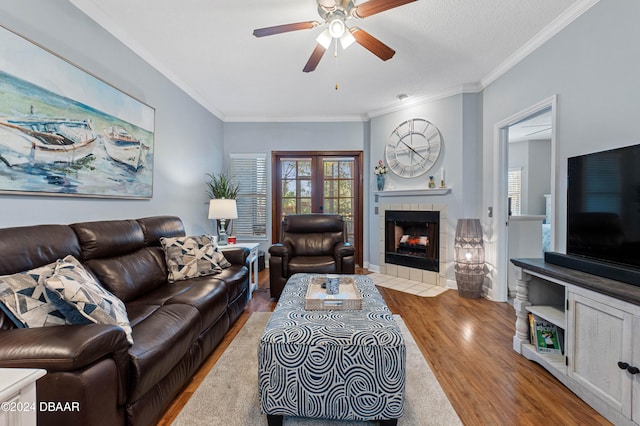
(601, 337)
(635, 378)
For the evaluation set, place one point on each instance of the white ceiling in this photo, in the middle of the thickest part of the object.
(533, 128)
(442, 47)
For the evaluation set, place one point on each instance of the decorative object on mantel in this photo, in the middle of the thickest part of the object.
(469, 258)
(432, 184)
(442, 184)
(414, 148)
(380, 170)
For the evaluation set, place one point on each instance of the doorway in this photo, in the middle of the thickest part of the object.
(319, 182)
(534, 208)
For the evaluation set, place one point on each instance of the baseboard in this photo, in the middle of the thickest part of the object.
(594, 267)
(373, 268)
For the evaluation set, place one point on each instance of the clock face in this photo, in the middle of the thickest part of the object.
(413, 148)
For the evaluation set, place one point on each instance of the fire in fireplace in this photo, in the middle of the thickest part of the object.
(411, 239)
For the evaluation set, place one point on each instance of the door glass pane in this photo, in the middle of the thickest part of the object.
(296, 185)
(305, 188)
(339, 189)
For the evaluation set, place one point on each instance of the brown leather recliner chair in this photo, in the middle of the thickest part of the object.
(310, 243)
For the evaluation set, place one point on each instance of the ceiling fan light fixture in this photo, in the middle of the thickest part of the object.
(347, 39)
(324, 39)
(337, 28)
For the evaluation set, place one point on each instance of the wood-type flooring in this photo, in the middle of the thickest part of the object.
(468, 345)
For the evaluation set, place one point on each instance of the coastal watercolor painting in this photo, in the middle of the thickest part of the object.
(65, 132)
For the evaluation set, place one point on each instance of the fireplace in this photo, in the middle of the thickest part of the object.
(411, 238)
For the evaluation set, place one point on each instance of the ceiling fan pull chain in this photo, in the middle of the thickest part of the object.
(335, 54)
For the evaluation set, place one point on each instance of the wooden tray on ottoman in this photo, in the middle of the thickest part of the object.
(348, 299)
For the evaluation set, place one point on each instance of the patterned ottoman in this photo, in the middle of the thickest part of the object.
(344, 365)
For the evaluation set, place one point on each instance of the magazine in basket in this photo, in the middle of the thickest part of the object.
(348, 298)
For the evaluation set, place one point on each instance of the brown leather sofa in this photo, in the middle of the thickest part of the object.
(310, 243)
(175, 325)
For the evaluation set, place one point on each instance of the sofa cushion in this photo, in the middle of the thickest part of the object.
(162, 340)
(192, 256)
(209, 295)
(309, 264)
(235, 278)
(76, 287)
(27, 302)
(131, 275)
(29, 247)
(156, 227)
(108, 238)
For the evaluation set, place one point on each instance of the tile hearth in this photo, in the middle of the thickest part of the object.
(405, 285)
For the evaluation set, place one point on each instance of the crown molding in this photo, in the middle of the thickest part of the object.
(557, 25)
(420, 100)
(295, 119)
(94, 13)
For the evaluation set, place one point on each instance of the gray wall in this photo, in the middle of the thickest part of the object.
(186, 135)
(457, 118)
(287, 136)
(593, 67)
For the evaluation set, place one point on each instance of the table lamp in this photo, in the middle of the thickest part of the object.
(222, 209)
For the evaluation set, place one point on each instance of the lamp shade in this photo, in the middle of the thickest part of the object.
(468, 245)
(222, 208)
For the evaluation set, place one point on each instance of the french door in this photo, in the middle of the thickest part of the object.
(319, 182)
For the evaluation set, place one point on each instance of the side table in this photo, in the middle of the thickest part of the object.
(253, 262)
(18, 396)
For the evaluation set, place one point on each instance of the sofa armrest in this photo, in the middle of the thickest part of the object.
(280, 250)
(279, 256)
(237, 255)
(345, 255)
(343, 250)
(278, 268)
(63, 348)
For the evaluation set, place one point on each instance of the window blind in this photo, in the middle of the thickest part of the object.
(249, 172)
(515, 190)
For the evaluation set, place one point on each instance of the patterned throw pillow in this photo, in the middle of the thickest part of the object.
(190, 257)
(75, 287)
(27, 302)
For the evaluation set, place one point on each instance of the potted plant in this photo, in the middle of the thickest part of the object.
(220, 185)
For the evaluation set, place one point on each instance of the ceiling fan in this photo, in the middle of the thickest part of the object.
(335, 14)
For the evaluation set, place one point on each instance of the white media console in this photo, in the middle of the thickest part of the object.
(600, 318)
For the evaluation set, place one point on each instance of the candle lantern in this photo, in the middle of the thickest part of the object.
(469, 258)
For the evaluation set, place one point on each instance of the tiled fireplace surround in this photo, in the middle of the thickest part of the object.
(414, 274)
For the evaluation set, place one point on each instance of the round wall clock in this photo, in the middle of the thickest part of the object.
(413, 148)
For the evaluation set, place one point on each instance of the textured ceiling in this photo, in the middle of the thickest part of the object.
(207, 48)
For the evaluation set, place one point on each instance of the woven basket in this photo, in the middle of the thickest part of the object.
(470, 285)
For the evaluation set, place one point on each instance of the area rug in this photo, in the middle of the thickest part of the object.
(229, 394)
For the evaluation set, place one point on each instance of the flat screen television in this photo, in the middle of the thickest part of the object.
(603, 209)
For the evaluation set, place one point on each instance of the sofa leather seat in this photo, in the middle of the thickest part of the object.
(175, 326)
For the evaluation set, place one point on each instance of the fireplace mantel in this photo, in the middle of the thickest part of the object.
(412, 192)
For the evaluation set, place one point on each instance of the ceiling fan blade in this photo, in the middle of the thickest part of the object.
(314, 59)
(376, 6)
(278, 29)
(372, 44)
